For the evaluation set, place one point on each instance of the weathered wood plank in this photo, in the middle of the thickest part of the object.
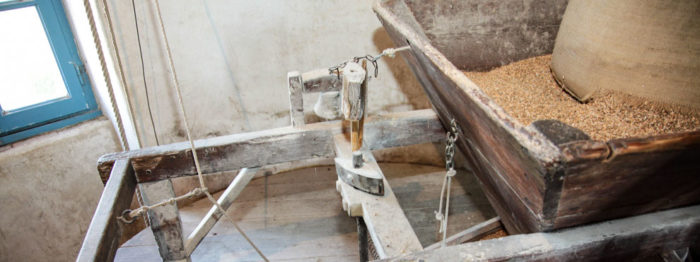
(477, 231)
(321, 80)
(273, 146)
(102, 238)
(296, 100)
(626, 239)
(390, 230)
(214, 214)
(165, 220)
(628, 176)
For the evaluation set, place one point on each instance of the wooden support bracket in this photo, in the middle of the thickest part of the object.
(214, 214)
(387, 225)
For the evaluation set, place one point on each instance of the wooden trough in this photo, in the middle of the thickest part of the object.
(534, 184)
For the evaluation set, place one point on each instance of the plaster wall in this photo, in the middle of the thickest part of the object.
(232, 58)
(49, 189)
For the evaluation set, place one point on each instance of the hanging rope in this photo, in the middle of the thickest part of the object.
(105, 74)
(447, 182)
(202, 187)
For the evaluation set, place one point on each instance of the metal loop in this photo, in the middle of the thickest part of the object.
(125, 218)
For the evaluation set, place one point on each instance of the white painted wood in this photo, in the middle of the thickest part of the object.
(386, 222)
(232, 191)
(352, 102)
(165, 220)
(321, 80)
(296, 101)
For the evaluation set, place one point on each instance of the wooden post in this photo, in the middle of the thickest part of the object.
(102, 238)
(353, 102)
(296, 102)
(165, 220)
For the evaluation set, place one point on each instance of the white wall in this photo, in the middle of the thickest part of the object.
(232, 58)
(49, 188)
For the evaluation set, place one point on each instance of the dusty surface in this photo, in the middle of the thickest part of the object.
(528, 92)
(297, 216)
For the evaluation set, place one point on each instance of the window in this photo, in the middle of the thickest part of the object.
(43, 83)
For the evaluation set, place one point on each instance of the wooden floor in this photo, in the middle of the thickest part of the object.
(297, 216)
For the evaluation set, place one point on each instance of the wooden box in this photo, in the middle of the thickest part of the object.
(533, 183)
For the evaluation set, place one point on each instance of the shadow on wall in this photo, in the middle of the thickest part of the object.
(407, 82)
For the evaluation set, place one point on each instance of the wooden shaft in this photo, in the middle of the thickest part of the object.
(357, 126)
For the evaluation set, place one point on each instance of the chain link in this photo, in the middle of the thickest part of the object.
(450, 145)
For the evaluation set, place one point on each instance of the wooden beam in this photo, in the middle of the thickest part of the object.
(165, 220)
(321, 80)
(632, 238)
(102, 238)
(225, 200)
(386, 222)
(472, 233)
(296, 100)
(274, 146)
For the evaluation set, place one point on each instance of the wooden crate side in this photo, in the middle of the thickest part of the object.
(512, 162)
(626, 177)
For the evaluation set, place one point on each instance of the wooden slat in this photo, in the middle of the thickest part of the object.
(321, 80)
(663, 171)
(102, 238)
(386, 222)
(296, 100)
(165, 220)
(633, 238)
(214, 214)
(474, 232)
(273, 146)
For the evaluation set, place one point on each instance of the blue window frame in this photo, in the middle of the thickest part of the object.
(79, 103)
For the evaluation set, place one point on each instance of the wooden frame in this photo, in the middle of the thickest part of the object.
(152, 168)
(665, 230)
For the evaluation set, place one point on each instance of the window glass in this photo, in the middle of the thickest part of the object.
(29, 74)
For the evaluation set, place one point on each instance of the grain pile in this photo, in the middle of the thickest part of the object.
(528, 92)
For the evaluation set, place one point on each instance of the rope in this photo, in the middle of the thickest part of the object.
(202, 185)
(447, 182)
(105, 74)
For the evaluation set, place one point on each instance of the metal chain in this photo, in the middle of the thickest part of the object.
(450, 145)
(442, 214)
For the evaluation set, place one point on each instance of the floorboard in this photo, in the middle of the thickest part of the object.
(297, 216)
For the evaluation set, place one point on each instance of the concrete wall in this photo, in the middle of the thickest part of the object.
(232, 58)
(49, 189)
